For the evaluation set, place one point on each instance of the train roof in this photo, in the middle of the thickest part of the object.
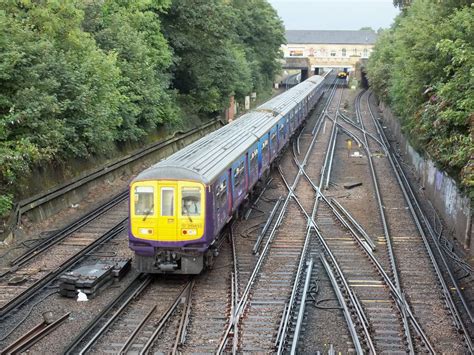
(286, 101)
(205, 159)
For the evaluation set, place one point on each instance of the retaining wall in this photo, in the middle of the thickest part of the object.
(75, 190)
(452, 205)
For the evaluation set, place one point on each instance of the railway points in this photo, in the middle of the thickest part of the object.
(307, 266)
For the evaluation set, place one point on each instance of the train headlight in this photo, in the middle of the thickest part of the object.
(189, 232)
(145, 231)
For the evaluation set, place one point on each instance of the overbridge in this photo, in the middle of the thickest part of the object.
(310, 51)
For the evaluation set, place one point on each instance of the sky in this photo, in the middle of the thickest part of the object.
(335, 14)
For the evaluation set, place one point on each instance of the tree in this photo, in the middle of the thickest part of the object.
(209, 66)
(58, 92)
(261, 32)
(132, 32)
(423, 68)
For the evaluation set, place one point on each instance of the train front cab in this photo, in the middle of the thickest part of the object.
(165, 216)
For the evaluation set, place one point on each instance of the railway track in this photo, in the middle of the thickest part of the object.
(382, 302)
(208, 311)
(379, 314)
(35, 270)
(425, 264)
(145, 317)
(257, 312)
(371, 270)
(417, 270)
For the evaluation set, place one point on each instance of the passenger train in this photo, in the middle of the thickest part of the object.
(179, 206)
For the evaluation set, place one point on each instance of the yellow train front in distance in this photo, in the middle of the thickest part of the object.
(342, 75)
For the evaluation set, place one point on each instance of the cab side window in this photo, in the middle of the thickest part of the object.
(190, 201)
(144, 204)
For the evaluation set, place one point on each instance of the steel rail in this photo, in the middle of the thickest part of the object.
(359, 312)
(266, 226)
(283, 333)
(387, 235)
(399, 298)
(333, 140)
(362, 130)
(67, 231)
(133, 290)
(161, 323)
(245, 294)
(352, 220)
(408, 192)
(235, 289)
(346, 117)
(309, 270)
(342, 302)
(303, 256)
(140, 326)
(30, 291)
(33, 336)
(181, 335)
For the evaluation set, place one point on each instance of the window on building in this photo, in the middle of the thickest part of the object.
(343, 52)
(333, 53)
(296, 52)
(366, 52)
(355, 51)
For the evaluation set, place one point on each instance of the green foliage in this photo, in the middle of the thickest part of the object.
(221, 49)
(132, 31)
(423, 67)
(58, 93)
(79, 77)
(261, 32)
(6, 204)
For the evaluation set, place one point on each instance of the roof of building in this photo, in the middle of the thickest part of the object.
(330, 37)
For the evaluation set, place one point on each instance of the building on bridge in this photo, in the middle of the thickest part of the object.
(312, 50)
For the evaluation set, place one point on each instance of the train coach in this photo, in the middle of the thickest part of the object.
(179, 206)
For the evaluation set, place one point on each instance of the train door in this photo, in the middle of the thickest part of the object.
(167, 207)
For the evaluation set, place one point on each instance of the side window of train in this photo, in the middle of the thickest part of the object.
(254, 160)
(239, 174)
(221, 194)
(265, 148)
(281, 130)
(273, 139)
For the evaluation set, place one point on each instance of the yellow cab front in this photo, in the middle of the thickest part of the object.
(167, 211)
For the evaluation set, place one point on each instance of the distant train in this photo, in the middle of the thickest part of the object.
(179, 206)
(342, 75)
